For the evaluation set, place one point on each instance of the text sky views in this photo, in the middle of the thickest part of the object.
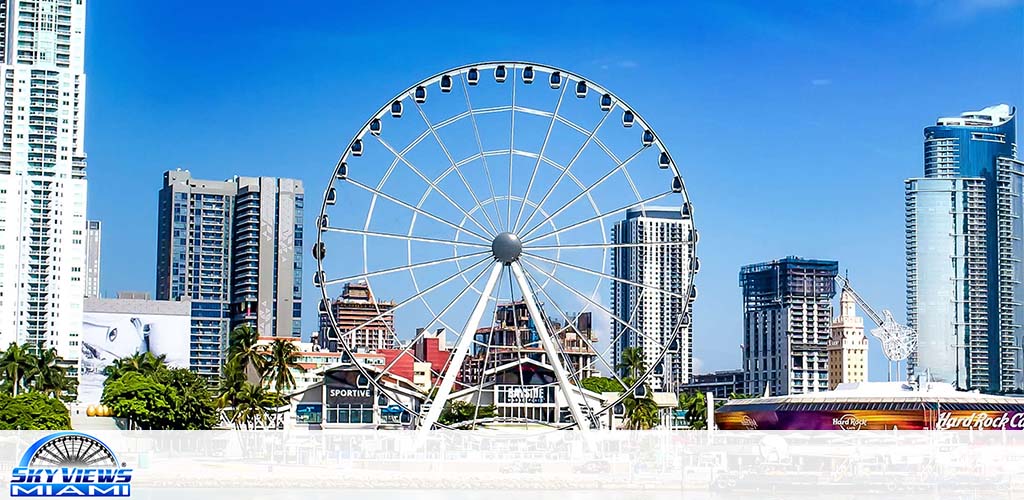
(794, 125)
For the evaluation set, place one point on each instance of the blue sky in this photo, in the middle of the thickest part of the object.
(794, 125)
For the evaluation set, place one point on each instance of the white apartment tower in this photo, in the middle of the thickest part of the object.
(848, 347)
(657, 315)
(42, 173)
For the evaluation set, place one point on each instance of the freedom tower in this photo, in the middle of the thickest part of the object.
(964, 253)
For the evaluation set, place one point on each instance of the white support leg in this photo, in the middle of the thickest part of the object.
(461, 350)
(549, 348)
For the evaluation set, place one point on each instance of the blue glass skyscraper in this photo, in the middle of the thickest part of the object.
(964, 253)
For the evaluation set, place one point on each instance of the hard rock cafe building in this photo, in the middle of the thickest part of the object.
(875, 406)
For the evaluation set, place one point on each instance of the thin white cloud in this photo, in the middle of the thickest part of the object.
(698, 365)
(958, 10)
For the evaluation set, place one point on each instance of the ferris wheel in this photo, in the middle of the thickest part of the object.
(498, 233)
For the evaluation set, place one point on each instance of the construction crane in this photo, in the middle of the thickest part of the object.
(898, 341)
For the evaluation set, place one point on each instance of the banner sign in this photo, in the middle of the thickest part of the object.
(852, 420)
(525, 395)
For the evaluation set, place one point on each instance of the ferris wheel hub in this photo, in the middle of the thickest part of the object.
(506, 247)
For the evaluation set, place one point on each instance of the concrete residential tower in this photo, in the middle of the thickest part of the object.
(964, 253)
(234, 249)
(93, 241)
(655, 314)
(42, 174)
(848, 347)
(787, 313)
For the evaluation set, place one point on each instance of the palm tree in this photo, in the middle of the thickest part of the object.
(243, 346)
(48, 377)
(696, 407)
(232, 380)
(15, 363)
(632, 362)
(641, 413)
(254, 405)
(279, 360)
(144, 362)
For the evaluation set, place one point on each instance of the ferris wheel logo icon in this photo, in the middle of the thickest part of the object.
(70, 464)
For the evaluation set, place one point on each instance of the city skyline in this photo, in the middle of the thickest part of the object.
(307, 142)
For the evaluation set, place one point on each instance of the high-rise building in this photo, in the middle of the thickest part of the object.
(93, 238)
(42, 174)
(721, 384)
(848, 347)
(787, 315)
(267, 255)
(655, 314)
(234, 249)
(355, 312)
(964, 253)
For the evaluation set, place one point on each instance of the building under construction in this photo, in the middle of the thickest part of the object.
(353, 312)
(787, 318)
(513, 336)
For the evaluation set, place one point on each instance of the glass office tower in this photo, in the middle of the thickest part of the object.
(964, 251)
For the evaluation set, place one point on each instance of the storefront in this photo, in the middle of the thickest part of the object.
(345, 399)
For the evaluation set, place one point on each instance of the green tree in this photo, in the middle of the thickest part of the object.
(33, 411)
(254, 406)
(15, 363)
(140, 399)
(463, 411)
(279, 360)
(48, 377)
(632, 363)
(601, 384)
(640, 413)
(154, 397)
(243, 346)
(696, 407)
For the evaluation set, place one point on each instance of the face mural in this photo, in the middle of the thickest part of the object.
(111, 336)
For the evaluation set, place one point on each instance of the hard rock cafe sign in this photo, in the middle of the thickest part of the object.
(849, 422)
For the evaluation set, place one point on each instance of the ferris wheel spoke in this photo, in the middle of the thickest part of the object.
(572, 325)
(596, 304)
(603, 275)
(540, 156)
(620, 166)
(601, 245)
(418, 295)
(437, 317)
(575, 157)
(415, 209)
(597, 217)
(480, 146)
(458, 172)
(487, 347)
(404, 237)
(408, 267)
(461, 350)
(541, 324)
(511, 148)
(433, 186)
(574, 377)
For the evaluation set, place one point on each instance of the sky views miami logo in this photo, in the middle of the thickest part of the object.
(70, 464)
